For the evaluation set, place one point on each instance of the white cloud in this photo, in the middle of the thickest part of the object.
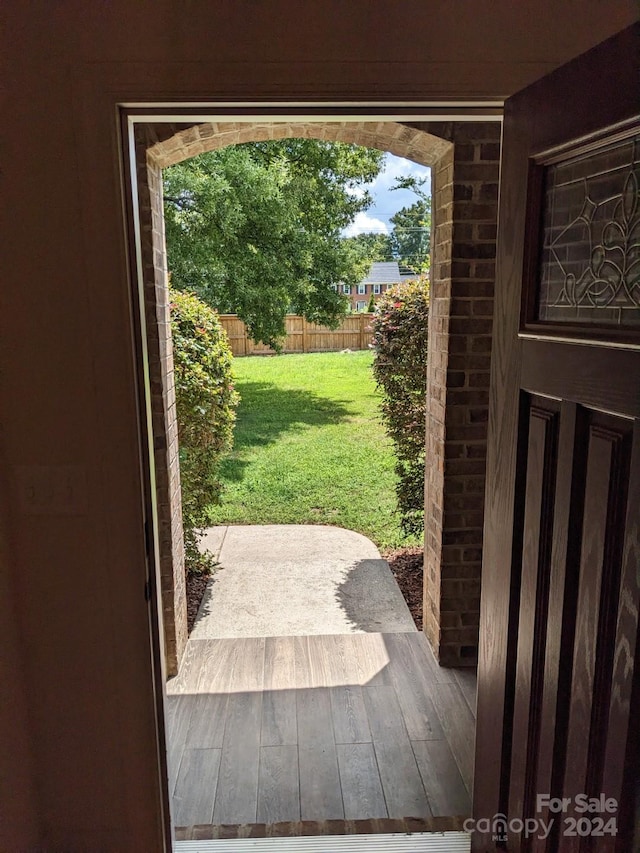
(398, 167)
(356, 192)
(385, 201)
(364, 224)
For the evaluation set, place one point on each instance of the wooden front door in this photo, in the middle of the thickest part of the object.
(559, 675)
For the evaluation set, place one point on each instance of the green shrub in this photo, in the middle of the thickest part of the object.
(205, 404)
(400, 368)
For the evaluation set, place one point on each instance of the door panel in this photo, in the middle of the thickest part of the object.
(575, 372)
(534, 590)
(603, 531)
(559, 682)
(555, 690)
(621, 752)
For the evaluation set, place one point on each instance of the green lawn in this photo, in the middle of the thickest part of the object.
(310, 447)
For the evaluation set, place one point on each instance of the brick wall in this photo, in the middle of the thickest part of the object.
(360, 297)
(163, 409)
(465, 195)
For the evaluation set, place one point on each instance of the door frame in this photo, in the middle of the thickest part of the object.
(148, 112)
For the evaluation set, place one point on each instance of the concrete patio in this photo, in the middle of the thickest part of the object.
(307, 694)
(292, 580)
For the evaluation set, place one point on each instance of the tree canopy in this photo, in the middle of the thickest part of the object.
(255, 229)
(373, 245)
(411, 234)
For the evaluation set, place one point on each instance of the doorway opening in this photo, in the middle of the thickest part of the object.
(156, 145)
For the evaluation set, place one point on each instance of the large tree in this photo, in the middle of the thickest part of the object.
(255, 229)
(411, 234)
(372, 245)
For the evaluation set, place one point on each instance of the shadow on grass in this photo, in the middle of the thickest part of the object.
(267, 411)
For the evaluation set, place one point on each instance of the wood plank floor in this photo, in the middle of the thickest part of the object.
(349, 726)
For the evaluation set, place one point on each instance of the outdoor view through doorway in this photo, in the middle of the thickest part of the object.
(321, 650)
(245, 706)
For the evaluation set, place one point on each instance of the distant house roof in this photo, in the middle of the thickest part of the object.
(386, 272)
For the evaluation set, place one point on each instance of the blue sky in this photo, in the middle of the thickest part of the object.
(385, 201)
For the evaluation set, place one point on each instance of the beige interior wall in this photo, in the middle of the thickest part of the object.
(17, 789)
(76, 563)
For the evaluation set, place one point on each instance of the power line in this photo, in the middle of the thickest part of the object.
(367, 230)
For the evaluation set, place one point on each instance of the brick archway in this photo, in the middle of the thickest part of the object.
(398, 139)
(464, 158)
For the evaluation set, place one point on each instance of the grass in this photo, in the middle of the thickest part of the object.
(310, 447)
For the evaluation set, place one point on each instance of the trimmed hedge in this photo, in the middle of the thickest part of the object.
(205, 405)
(400, 334)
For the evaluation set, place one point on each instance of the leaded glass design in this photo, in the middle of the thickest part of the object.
(590, 265)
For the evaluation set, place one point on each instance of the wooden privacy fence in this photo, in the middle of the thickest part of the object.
(302, 336)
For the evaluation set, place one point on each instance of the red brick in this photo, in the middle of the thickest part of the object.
(464, 153)
(450, 620)
(474, 288)
(481, 251)
(488, 192)
(467, 397)
(464, 520)
(462, 326)
(460, 269)
(486, 131)
(462, 192)
(464, 432)
(477, 451)
(456, 379)
(464, 466)
(474, 485)
(480, 212)
(462, 502)
(460, 635)
(490, 151)
(461, 308)
(455, 450)
(458, 343)
(481, 344)
(476, 172)
(479, 380)
(485, 270)
(478, 362)
(474, 326)
(487, 232)
(465, 572)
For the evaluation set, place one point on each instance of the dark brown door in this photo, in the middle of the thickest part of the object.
(559, 675)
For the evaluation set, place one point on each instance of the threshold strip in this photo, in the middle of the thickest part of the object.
(414, 842)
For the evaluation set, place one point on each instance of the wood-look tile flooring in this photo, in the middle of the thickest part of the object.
(349, 726)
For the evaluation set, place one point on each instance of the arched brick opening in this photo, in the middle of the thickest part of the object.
(465, 161)
(398, 139)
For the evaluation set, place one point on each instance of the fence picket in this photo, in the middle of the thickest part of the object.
(301, 336)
